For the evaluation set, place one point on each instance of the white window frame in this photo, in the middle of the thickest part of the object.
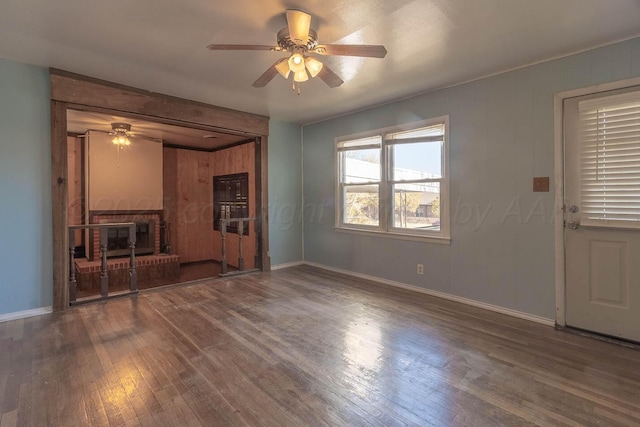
(385, 227)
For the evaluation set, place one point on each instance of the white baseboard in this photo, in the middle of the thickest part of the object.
(467, 301)
(26, 313)
(286, 265)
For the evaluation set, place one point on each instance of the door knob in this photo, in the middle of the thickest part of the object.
(573, 225)
(573, 209)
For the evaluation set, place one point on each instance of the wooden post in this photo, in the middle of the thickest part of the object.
(73, 285)
(59, 205)
(133, 274)
(223, 232)
(104, 274)
(240, 259)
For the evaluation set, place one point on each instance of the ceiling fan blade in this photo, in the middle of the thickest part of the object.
(268, 75)
(364, 50)
(329, 77)
(299, 23)
(241, 47)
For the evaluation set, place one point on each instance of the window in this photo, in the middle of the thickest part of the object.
(395, 181)
(610, 160)
(231, 200)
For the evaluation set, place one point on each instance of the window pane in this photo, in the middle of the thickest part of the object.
(359, 166)
(417, 206)
(417, 161)
(361, 204)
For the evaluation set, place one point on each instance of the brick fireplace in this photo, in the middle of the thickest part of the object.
(146, 223)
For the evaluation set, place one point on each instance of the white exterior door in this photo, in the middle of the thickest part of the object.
(602, 213)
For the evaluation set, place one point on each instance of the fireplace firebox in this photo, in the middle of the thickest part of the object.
(118, 239)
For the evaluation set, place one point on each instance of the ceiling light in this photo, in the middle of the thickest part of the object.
(284, 69)
(313, 65)
(296, 62)
(120, 132)
(121, 140)
(300, 76)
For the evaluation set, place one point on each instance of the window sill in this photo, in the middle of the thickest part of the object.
(397, 236)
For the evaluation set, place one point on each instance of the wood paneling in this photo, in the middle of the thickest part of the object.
(193, 234)
(300, 347)
(59, 189)
(225, 162)
(81, 90)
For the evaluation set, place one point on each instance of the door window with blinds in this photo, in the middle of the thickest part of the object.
(395, 180)
(610, 161)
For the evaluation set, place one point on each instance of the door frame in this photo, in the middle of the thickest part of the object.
(558, 161)
(73, 91)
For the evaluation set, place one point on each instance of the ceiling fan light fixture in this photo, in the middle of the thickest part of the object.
(296, 62)
(121, 140)
(284, 69)
(313, 65)
(120, 131)
(301, 76)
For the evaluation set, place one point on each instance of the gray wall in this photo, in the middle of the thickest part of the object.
(25, 188)
(285, 192)
(501, 136)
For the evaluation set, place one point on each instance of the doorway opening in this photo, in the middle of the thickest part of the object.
(161, 182)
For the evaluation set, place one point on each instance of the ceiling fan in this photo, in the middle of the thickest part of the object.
(300, 40)
(122, 134)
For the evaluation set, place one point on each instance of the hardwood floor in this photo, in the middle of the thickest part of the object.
(304, 346)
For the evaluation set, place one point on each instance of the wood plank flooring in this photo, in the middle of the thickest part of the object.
(303, 346)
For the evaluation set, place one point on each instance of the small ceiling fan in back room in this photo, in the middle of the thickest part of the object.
(301, 42)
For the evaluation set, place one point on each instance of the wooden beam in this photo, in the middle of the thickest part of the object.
(82, 90)
(262, 202)
(59, 189)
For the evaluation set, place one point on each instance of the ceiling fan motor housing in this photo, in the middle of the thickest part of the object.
(285, 42)
(121, 127)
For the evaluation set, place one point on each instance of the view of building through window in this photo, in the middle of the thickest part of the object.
(401, 172)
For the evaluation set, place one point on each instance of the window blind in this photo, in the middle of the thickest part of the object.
(610, 160)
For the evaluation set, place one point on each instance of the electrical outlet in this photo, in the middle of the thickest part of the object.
(420, 269)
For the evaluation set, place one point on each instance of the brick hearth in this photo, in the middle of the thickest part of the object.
(148, 267)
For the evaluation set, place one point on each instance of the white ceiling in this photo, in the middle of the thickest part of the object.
(159, 45)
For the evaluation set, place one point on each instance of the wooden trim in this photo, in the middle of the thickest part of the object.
(76, 89)
(262, 202)
(72, 91)
(154, 119)
(132, 212)
(59, 188)
(209, 150)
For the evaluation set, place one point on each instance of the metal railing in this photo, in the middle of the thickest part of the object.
(104, 268)
(223, 230)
